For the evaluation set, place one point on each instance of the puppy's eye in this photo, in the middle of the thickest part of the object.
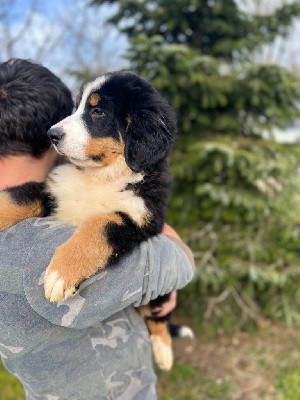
(97, 112)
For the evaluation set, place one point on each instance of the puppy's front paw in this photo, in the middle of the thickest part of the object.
(55, 287)
(77, 259)
(64, 274)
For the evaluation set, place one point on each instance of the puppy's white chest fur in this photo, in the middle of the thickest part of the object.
(80, 195)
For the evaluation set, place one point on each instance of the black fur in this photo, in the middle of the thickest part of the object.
(33, 191)
(175, 330)
(152, 127)
(26, 115)
(154, 190)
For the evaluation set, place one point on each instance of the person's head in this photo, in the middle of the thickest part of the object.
(32, 99)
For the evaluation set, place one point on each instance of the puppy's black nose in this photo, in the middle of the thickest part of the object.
(55, 135)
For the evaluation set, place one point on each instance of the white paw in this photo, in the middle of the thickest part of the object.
(163, 353)
(54, 288)
(186, 332)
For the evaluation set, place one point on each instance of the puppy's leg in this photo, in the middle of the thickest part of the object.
(161, 343)
(87, 251)
(160, 338)
(21, 202)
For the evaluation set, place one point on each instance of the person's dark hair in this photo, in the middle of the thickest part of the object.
(32, 99)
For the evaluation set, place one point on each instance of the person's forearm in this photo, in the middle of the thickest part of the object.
(172, 270)
(173, 235)
(156, 267)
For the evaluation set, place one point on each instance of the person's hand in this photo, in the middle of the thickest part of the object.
(167, 307)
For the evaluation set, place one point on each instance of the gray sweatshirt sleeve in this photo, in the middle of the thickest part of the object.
(154, 268)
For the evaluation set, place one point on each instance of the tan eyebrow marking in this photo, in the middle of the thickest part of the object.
(94, 100)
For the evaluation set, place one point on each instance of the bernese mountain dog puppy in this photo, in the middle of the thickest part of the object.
(115, 187)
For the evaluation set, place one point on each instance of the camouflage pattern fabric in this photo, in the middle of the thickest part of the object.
(95, 345)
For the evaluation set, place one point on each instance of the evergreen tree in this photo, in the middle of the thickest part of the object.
(236, 192)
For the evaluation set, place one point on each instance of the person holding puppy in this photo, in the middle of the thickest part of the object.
(95, 345)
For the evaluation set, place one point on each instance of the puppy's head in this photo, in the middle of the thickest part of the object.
(118, 115)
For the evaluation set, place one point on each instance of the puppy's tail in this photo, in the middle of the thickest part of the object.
(181, 331)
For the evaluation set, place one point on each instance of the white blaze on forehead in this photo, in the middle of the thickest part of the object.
(76, 135)
(89, 88)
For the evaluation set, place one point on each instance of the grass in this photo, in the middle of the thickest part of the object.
(183, 383)
(288, 383)
(288, 374)
(261, 365)
(187, 383)
(10, 387)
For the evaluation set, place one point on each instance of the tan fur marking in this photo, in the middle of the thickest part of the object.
(159, 329)
(12, 213)
(144, 311)
(94, 100)
(84, 253)
(108, 149)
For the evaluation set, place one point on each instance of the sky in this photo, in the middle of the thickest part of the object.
(57, 32)
(53, 38)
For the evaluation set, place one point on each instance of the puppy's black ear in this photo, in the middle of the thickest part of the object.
(151, 126)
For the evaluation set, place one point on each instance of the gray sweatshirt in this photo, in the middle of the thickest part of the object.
(94, 346)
